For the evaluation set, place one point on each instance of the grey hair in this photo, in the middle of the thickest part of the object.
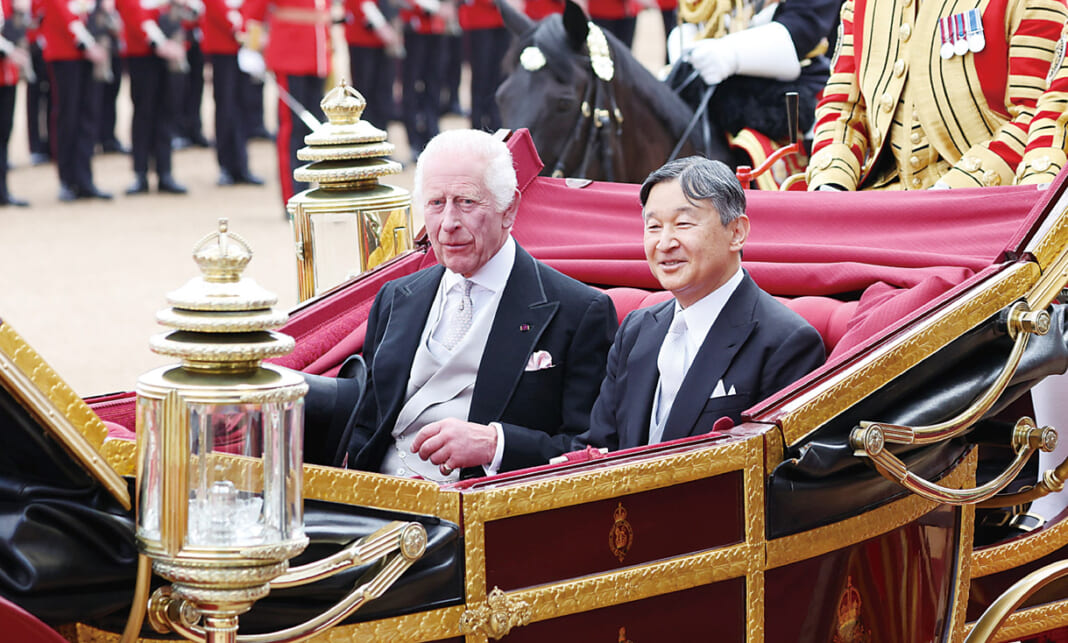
(499, 178)
(701, 179)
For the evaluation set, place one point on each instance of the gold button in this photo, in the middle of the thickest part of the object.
(887, 101)
(990, 177)
(906, 33)
(916, 182)
(1041, 164)
(824, 161)
(914, 161)
(899, 68)
(915, 137)
(970, 164)
(915, 116)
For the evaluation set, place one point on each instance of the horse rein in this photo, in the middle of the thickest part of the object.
(597, 120)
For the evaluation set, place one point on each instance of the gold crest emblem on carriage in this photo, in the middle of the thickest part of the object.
(621, 536)
(847, 628)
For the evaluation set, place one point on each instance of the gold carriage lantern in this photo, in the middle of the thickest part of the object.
(349, 223)
(219, 477)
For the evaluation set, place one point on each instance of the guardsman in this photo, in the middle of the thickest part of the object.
(932, 94)
(221, 23)
(39, 106)
(421, 75)
(13, 57)
(190, 128)
(298, 53)
(150, 55)
(1047, 137)
(374, 46)
(106, 27)
(489, 41)
(538, 9)
(753, 60)
(71, 51)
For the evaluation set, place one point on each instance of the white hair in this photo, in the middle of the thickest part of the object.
(499, 177)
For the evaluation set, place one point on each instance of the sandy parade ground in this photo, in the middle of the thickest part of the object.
(82, 281)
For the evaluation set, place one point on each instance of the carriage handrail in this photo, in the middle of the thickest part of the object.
(1021, 323)
(988, 624)
(1027, 437)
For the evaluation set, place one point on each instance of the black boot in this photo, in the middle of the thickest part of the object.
(139, 186)
(169, 185)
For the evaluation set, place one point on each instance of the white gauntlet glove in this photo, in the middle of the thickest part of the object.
(766, 51)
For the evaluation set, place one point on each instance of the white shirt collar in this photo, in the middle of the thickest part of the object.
(493, 275)
(703, 313)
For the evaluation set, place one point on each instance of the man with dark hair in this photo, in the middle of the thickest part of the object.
(721, 345)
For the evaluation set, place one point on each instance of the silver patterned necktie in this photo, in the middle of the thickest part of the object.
(671, 362)
(459, 317)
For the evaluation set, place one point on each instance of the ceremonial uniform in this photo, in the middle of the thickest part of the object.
(489, 40)
(298, 53)
(75, 93)
(373, 69)
(925, 95)
(9, 79)
(422, 73)
(154, 93)
(220, 24)
(38, 100)
(1047, 138)
(538, 9)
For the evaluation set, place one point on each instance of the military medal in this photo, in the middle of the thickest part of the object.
(960, 33)
(946, 51)
(976, 39)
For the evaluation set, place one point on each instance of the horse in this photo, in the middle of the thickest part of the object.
(592, 109)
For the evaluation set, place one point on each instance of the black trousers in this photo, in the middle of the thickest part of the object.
(109, 93)
(252, 111)
(153, 89)
(231, 129)
(189, 123)
(308, 91)
(75, 97)
(39, 105)
(373, 72)
(452, 54)
(7, 120)
(621, 28)
(422, 74)
(488, 48)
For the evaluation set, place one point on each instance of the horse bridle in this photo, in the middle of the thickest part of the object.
(597, 120)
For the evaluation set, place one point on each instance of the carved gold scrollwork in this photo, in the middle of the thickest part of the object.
(497, 616)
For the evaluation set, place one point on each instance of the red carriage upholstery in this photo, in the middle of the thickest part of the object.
(19, 625)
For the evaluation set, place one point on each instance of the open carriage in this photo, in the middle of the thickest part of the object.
(839, 510)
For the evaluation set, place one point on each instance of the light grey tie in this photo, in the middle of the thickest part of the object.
(459, 317)
(672, 362)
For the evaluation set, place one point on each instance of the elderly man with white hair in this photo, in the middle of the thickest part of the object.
(487, 362)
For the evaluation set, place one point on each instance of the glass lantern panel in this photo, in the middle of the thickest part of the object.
(335, 247)
(149, 491)
(234, 501)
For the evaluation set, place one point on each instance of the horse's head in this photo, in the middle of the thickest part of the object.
(592, 109)
(546, 77)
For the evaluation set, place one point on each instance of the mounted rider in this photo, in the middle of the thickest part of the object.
(749, 55)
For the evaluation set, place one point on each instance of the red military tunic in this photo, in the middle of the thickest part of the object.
(479, 14)
(220, 23)
(538, 9)
(298, 42)
(135, 14)
(9, 71)
(58, 18)
(358, 30)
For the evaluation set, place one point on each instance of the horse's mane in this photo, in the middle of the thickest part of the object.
(550, 37)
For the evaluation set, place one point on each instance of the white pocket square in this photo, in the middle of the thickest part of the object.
(720, 391)
(539, 361)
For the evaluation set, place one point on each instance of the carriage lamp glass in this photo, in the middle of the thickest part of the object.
(219, 470)
(348, 222)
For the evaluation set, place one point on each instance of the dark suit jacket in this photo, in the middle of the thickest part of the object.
(756, 345)
(540, 309)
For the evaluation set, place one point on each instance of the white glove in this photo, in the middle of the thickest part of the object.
(680, 39)
(939, 185)
(251, 62)
(766, 51)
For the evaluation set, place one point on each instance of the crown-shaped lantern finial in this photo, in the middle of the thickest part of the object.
(343, 105)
